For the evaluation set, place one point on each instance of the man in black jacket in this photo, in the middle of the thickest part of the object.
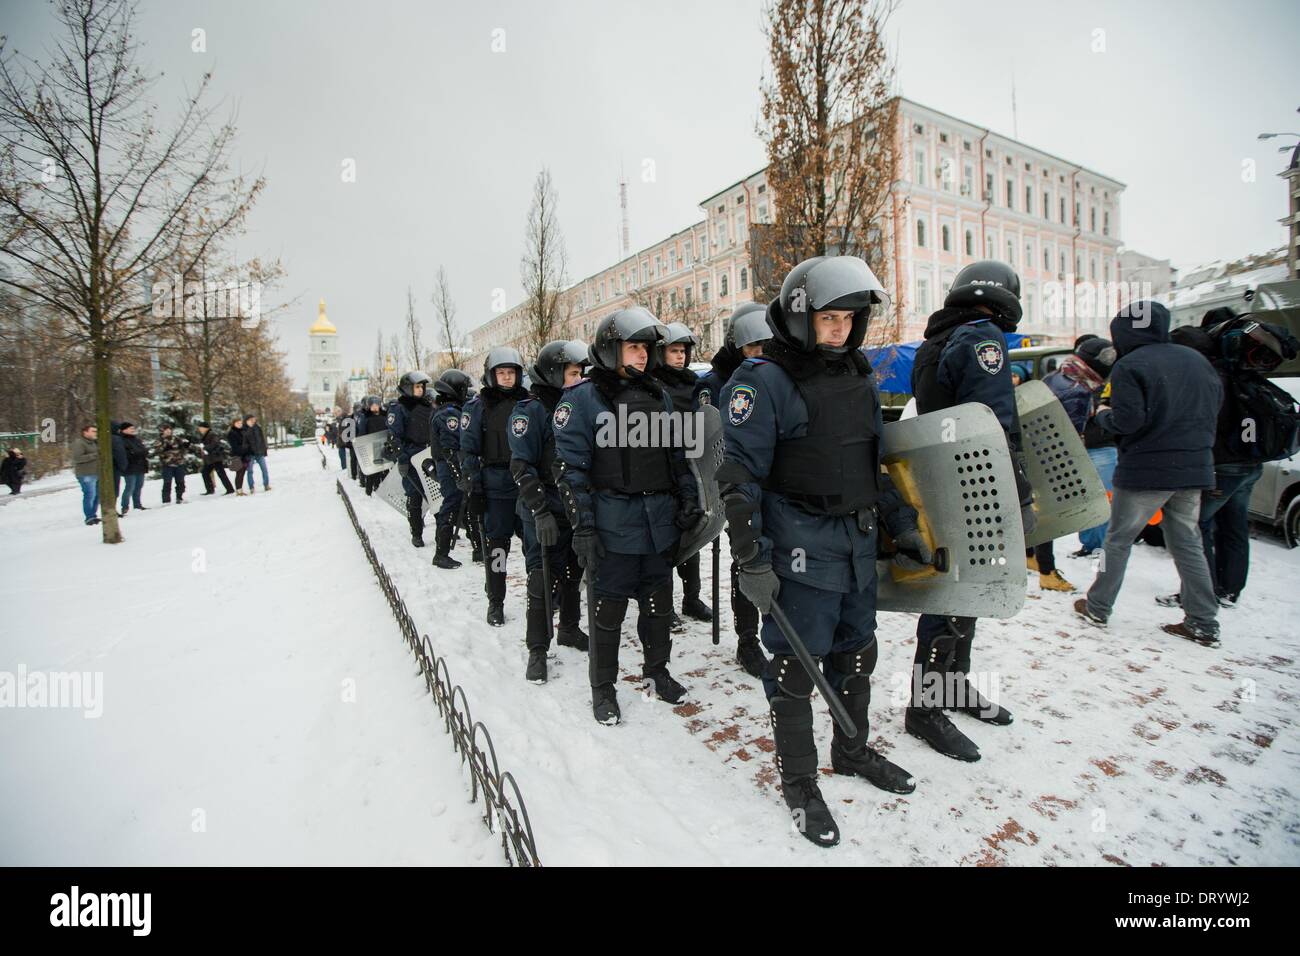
(255, 449)
(1165, 402)
(214, 460)
(238, 453)
(136, 464)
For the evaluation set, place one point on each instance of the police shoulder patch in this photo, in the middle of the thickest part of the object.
(562, 413)
(464, 420)
(989, 355)
(519, 425)
(392, 417)
(452, 423)
(741, 405)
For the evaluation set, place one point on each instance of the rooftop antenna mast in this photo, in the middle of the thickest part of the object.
(1015, 126)
(622, 202)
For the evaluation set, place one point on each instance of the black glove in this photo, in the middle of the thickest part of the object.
(689, 513)
(477, 504)
(759, 583)
(430, 467)
(391, 448)
(913, 553)
(464, 485)
(587, 547)
(548, 530)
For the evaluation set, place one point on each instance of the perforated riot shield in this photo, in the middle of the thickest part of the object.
(391, 491)
(704, 466)
(432, 490)
(1068, 493)
(954, 468)
(369, 450)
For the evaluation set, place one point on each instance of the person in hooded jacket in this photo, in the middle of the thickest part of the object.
(804, 496)
(485, 461)
(684, 387)
(452, 390)
(1165, 402)
(410, 431)
(747, 333)
(963, 359)
(1076, 383)
(628, 498)
(1242, 351)
(547, 534)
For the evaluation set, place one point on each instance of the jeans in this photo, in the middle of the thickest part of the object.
(260, 461)
(343, 458)
(1225, 526)
(89, 494)
(132, 485)
(1129, 513)
(1104, 459)
(172, 473)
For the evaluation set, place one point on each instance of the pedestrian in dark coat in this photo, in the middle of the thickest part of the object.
(11, 470)
(238, 461)
(214, 459)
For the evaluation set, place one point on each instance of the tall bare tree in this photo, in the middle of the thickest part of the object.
(375, 377)
(413, 336)
(94, 198)
(543, 268)
(828, 120)
(444, 310)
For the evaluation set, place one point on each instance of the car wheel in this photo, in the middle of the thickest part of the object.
(1291, 523)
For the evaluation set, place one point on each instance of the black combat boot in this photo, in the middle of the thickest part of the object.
(476, 542)
(535, 635)
(570, 632)
(602, 661)
(960, 694)
(415, 515)
(692, 606)
(442, 556)
(657, 646)
(851, 755)
(796, 761)
(750, 656)
(925, 717)
(496, 582)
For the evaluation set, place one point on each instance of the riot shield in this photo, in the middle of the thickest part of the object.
(369, 450)
(704, 467)
(1068, 493)
(432, 490)
(954, 468)
(391, 491)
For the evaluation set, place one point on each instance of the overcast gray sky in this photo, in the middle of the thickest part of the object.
(448, 135)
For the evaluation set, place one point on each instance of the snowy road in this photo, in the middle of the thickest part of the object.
(223, 693)
(258, 704)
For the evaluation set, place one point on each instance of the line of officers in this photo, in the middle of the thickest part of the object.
(801, 482)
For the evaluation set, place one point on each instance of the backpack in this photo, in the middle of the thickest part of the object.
(1274, 415)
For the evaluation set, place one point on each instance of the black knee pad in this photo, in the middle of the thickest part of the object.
(610, 612)
(659, 601)
(857, 667)
(791, 677)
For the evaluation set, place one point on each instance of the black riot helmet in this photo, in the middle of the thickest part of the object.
(633, 324)
(1098, 354)
(548, 369)
(678, 334)
(748, 326)
(989, 283)
(408, 382)
(453, 384)
(824, 282)
(370, 400)
(499, 356)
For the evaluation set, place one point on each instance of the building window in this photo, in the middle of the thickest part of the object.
(672, 260)
(762, 188)
(1105, 223)
(704, 291)
(1078, 212)
(659, 304)
(1047, 259)
(945, 173)
(1062, 209)
(947, 238)
(1029, 254)
(722, 233)
(658, 266)
(970, 243)
(645, 271)
(740, 227)
(1011, 253)
(988, 247)
(920, 233)
(672, 299)
(1029, 200)
(1092, 268)
(922, 294)
(967, 179)
(744, 278)
(1029, 306)
(1062, 264)
(943, 137)
(1011, 192)
(689, 294)
(762, 212)
(1092, 218)
(1047, 206)
(965, 144)
(918, 165)
(988, 188)
(722, 285)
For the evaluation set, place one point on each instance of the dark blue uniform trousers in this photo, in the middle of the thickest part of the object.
(828, 622)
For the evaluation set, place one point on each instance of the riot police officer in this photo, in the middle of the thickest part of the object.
(962, 360)
(485, 458)
(628, 499)
(802, 486)
(374, 418)
(747, 333)
(408, 430)
(683, 387)
(546, 530)
(452, 390)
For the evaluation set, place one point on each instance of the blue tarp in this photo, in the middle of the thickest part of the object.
(893, 363)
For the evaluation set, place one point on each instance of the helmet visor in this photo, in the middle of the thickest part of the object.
(843, 282)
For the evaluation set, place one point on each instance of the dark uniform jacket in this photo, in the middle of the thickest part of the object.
(485, 441)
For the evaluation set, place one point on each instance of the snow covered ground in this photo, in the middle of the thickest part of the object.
(257, 703)
(222, 692)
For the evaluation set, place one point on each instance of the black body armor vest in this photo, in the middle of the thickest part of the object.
(632, 471)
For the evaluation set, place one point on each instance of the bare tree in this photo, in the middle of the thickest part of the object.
(94, 198)
(543, 268)
(829, 119)
(375, 378)
(444, 310)
(413, 337)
